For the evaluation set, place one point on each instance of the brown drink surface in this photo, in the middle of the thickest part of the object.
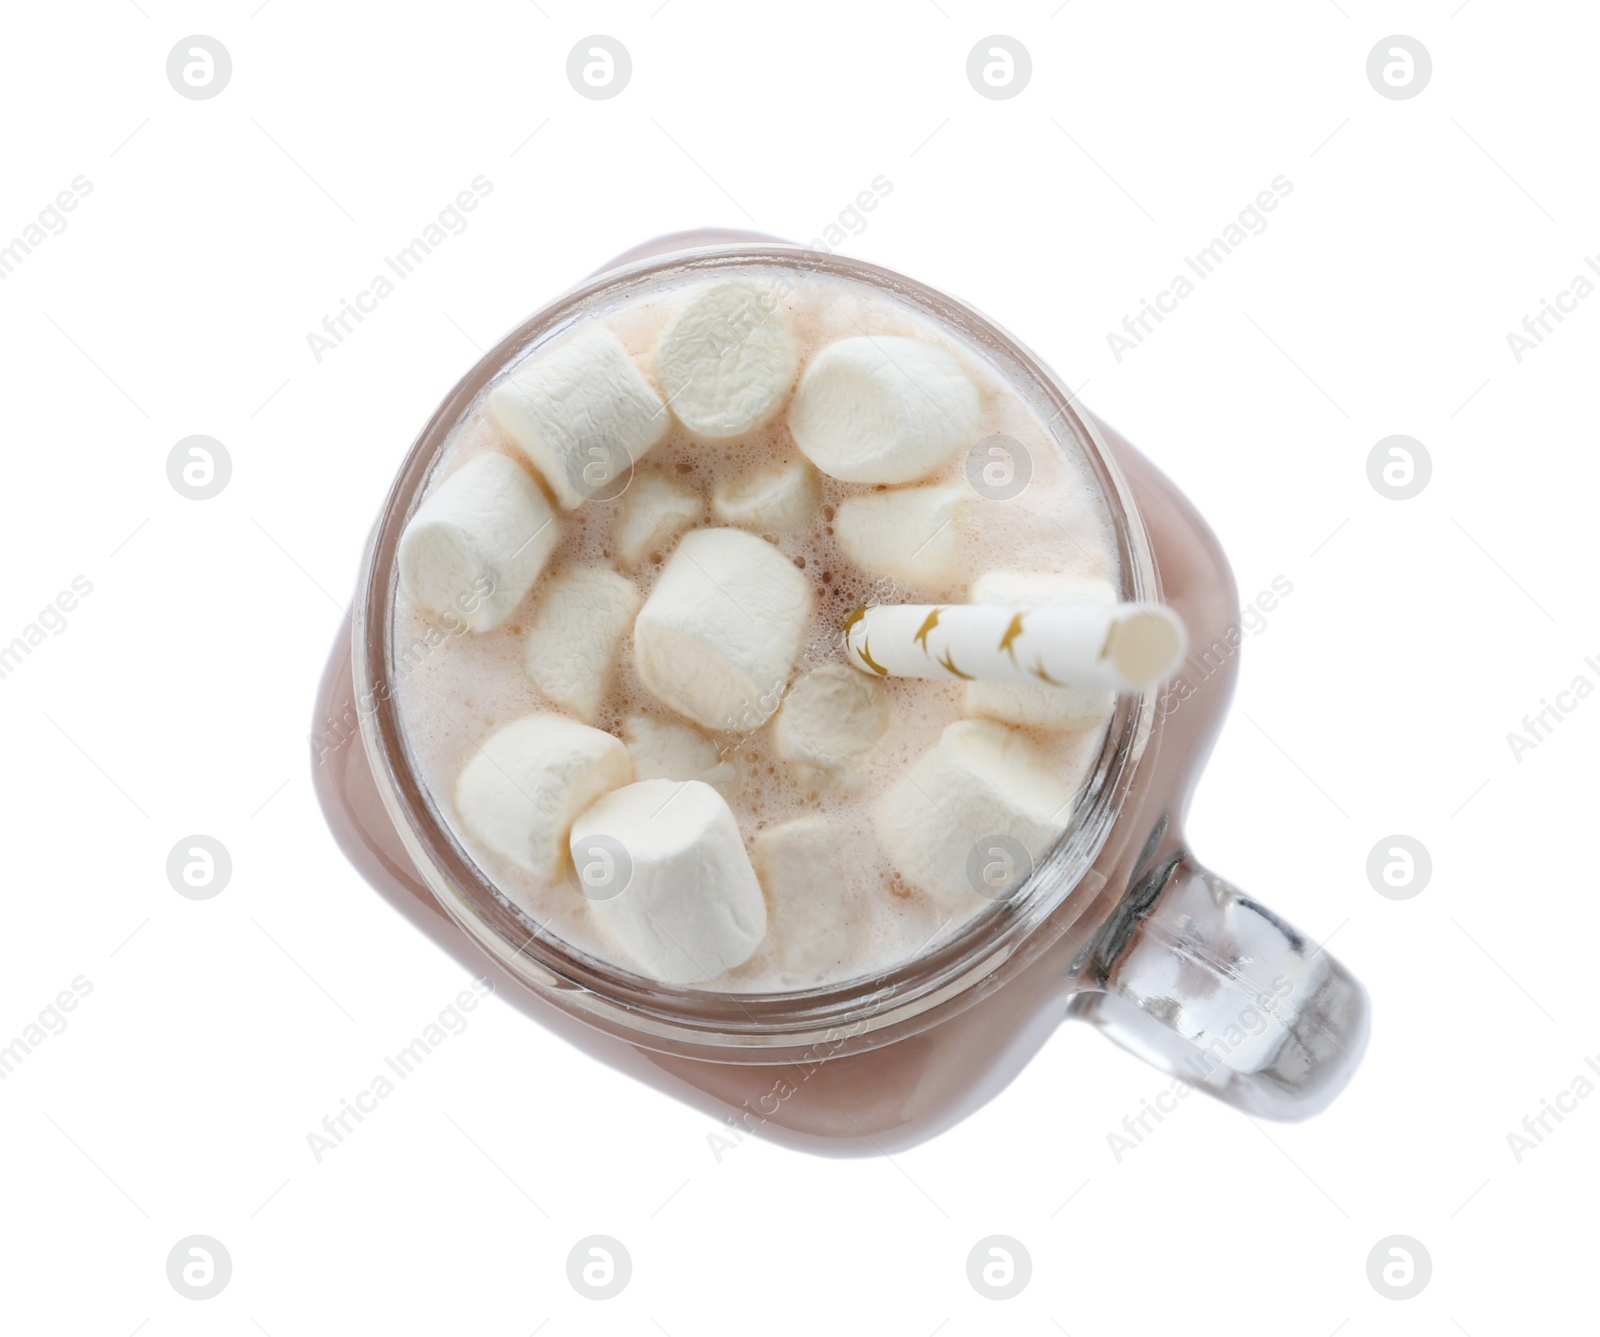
(455, 689)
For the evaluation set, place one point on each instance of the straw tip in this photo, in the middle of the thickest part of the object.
(1147, 644)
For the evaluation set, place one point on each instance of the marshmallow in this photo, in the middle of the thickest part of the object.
(667, 750)
(883, 409)
(816, 921)
(683, 902)
(831, 721)
(477, 543)
(1040, 706)
(776, 499)
(582, 413)
(718, 635)
(654, 512)
(910, 535)
(522, 788)
(728, 359)
(980, 780)
(580, 619)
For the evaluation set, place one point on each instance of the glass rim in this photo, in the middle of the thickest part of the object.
(757, 1026)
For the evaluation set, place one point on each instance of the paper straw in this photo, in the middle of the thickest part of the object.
(1123, 647)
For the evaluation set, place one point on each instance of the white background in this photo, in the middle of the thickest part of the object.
(1378, 699)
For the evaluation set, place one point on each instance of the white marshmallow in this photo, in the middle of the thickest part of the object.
(582, 413)
(728, 358)
(687, 905)
(670, 750)
(581, 616)
(911, 535)
(883, 409)
(717, 637)
(477, 543)
(831, 721)
(816, 919)
(980, 780)
(775, 499)
(1041, 706)
(522, 788)
(654, 512)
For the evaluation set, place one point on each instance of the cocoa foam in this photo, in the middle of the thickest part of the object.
(457, 692)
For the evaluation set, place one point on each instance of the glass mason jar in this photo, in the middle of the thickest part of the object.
(1118, 926)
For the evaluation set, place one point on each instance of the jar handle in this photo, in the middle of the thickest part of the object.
(1194, 976)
